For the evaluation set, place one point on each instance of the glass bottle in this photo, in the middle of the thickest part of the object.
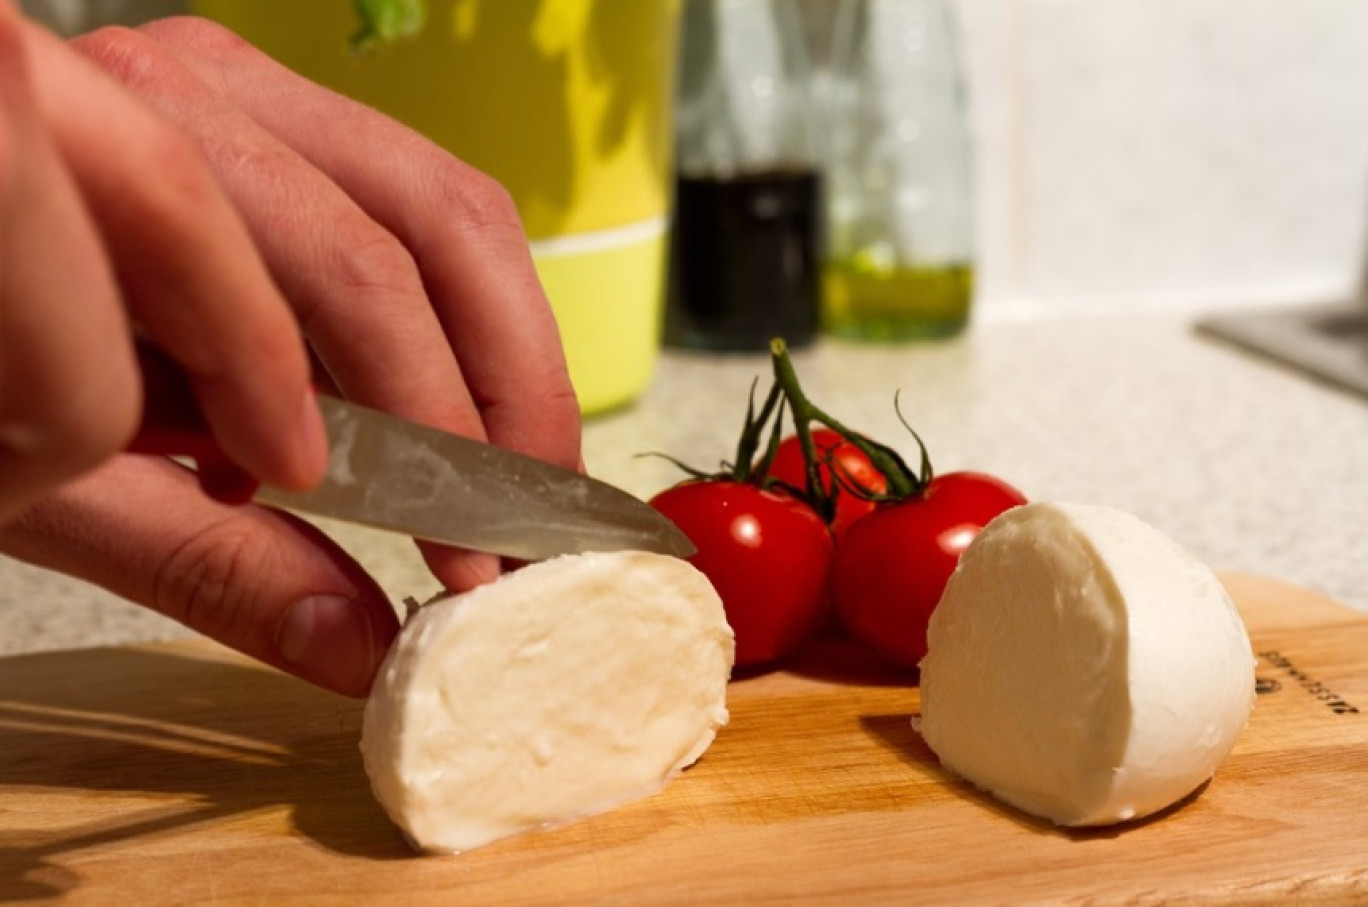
(744, 257)
(899, 262)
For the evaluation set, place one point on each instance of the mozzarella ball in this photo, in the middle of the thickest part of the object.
(562, 690)
(1083, 667)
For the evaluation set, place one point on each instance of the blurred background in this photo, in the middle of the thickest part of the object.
(1166, 155)
(1186, 154)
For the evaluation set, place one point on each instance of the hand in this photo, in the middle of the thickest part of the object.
(411, 277)
(88, 250)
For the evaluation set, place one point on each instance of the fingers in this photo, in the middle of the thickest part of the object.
(68, 386)
(260, 582)
(460, 227)
(354, 286)
(188, 270)
(423, 256)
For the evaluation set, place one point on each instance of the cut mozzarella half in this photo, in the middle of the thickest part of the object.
(1083, 667)
(564, 689)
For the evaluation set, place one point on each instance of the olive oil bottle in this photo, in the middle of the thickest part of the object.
(899, 261)
(862, 302)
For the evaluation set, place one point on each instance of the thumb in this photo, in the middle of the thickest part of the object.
(264, 583)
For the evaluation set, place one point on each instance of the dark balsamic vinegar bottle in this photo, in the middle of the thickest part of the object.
(744, 253)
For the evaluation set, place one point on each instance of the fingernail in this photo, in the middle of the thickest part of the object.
(314, 439)
(328, 639)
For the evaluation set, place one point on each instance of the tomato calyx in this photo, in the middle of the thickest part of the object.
(901, 480)
(751, 464)
(762, 433)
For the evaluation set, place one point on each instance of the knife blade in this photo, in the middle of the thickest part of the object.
(391, 474)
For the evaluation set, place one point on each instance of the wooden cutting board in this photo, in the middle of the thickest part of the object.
(183, 773)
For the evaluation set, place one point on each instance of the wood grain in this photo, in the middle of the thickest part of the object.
(185, 774)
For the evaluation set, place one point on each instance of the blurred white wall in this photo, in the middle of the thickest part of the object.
(1167, 154)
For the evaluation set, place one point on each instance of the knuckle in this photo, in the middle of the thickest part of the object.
(552, 432)
(557, 402)
(267, 166)
(368, 261)
(476, 202)
(208, 39)
(124, 53)
(205, 582)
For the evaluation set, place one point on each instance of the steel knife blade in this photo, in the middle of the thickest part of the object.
(395, 475)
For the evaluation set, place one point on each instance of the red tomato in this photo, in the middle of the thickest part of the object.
(851, 463)
(892, 565)
(768, 555)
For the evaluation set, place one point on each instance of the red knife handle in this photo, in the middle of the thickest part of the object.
(173, 426)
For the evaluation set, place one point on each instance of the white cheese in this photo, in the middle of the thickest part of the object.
(1083, 667)
(562, 690)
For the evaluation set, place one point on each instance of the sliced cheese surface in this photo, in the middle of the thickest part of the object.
(1083, 667)
(564, 689)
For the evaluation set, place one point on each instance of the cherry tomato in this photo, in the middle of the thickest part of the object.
(892, 565)
(851, 463)
(767, 554)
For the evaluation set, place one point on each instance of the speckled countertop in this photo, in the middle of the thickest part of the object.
(1253, 467)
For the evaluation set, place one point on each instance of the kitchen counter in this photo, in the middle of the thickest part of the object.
(1253, 467)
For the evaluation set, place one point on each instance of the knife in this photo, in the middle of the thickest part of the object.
(391, 474)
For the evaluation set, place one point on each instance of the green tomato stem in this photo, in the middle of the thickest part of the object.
(744, 468)
(902, 481)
